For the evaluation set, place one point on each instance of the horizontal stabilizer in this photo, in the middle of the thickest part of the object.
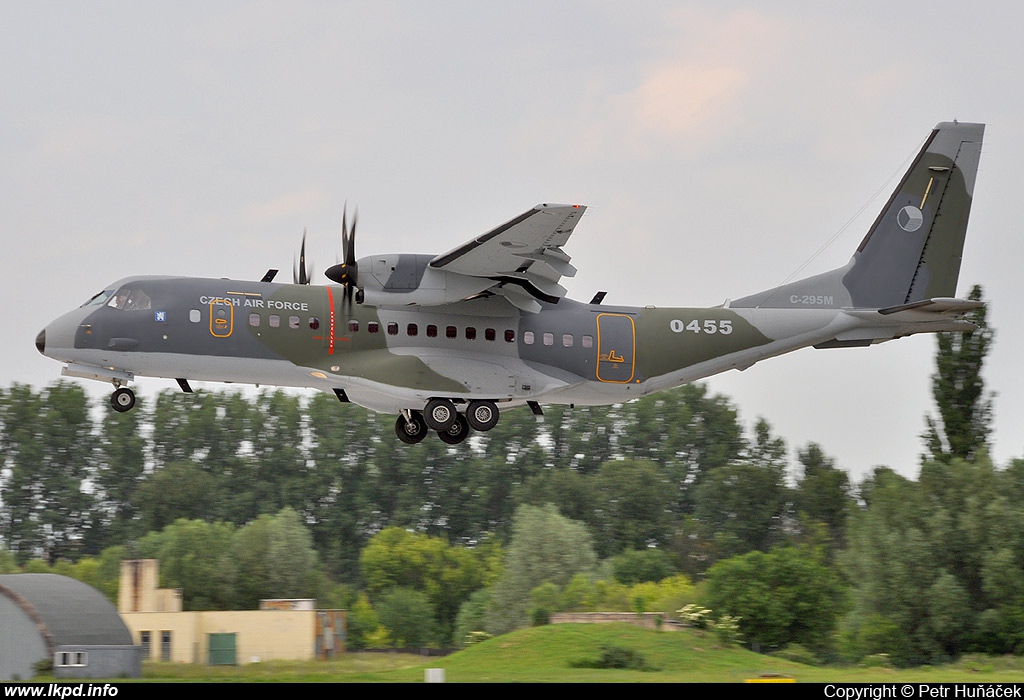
(937, 305)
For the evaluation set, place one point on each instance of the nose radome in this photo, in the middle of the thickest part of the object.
(41, 341)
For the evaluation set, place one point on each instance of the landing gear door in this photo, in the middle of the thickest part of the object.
(616, 348)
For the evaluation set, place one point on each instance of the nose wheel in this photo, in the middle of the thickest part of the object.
(123, 399)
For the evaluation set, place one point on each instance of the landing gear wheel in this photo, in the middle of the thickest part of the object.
(122, 400)
(482, 415)
(411, 431)
(439, 414)
(458, 432)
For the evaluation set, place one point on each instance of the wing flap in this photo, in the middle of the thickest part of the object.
(523, 256)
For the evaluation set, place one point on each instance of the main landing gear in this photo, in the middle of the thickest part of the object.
(441, 416)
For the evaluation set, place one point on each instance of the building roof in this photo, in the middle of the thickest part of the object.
(66, 611)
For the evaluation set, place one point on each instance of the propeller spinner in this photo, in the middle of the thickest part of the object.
(346, 273)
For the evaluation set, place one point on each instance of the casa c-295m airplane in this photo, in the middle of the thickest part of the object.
(448, 341)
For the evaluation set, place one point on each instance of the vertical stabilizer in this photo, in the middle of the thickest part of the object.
(913, 250)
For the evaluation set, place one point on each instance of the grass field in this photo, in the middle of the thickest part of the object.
(550, 654)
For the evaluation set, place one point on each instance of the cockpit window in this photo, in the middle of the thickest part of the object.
(99, 299)
(130, 300)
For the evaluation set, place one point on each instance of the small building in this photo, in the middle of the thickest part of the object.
(46, 617)
(280, 630)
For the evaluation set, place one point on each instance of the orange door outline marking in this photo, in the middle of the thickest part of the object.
(618, 356)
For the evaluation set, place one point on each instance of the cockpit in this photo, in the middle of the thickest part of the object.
(127, 298)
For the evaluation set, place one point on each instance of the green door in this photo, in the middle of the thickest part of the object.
(222, 649)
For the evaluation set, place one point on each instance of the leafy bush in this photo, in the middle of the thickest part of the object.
(619, 658)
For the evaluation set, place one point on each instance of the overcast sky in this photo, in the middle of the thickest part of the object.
(719, 145)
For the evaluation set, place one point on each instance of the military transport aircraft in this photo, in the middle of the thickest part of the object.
(448, 341)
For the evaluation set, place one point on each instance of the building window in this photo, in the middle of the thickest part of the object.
(165, 645)
(144, 642)
(71, 658)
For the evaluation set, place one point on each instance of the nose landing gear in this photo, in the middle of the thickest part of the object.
(123, 399)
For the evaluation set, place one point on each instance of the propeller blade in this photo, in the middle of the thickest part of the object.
(300, 274)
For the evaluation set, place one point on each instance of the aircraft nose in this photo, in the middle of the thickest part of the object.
(41, 342)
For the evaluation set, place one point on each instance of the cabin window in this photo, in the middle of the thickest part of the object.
(293, 321)
(567, 340)
(510, 336)
(372, 327)
(353, 326)
(254, 320)
(528, 337)
(274, 321)
(490, 334)
(451, 332)
(195, 315)
(587, 341)
(412, 329)
(431, 331)
(392, 328)
(470, 333)
(314, 323)
(549, 338)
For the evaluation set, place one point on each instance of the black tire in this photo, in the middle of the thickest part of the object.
(458, 431)
(122, 400)
(411, 431)
(439, 414)
(482, 415)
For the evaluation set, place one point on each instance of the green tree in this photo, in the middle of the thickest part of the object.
(786, 596)
(823, 495)
(744, 505)
(965, 410)
(545, 547)
(408, 617)
(632, 499)
(195, 556)
(49, 457)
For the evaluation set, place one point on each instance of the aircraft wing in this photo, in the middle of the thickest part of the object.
(523, 257)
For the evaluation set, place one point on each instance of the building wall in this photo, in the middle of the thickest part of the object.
(259, 635)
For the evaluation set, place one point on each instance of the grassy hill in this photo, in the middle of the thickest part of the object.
(554, 652)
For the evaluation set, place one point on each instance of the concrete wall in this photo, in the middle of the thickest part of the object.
(105, 661)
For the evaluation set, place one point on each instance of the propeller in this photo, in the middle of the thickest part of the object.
(346, 273)
(300, 273)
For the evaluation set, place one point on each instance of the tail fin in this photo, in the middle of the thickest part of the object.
(913, 250)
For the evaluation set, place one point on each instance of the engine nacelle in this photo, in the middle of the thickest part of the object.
(408, 280)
